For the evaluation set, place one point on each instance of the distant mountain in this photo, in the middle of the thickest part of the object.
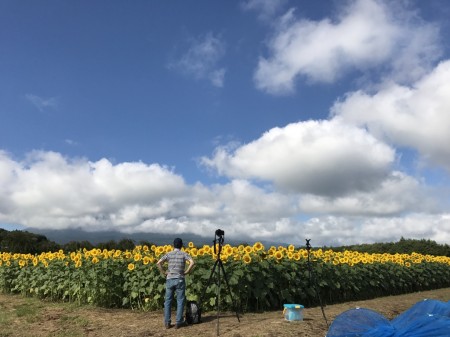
(64, 236)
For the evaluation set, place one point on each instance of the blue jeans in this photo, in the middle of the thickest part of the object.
(178, 286)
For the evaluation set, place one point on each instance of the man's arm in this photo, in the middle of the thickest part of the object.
(160, 267)
(191, 265)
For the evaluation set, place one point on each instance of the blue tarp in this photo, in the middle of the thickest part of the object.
(427, 318)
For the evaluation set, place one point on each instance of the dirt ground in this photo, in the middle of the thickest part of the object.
(21, 317)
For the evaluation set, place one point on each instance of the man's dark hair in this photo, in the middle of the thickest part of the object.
(178, 243)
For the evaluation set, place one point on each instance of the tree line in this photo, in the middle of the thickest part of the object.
(403, 246)
(18, 241)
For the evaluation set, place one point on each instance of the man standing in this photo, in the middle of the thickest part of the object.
(175, 283)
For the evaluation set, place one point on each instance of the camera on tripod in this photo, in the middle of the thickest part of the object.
(308, 245)
(218, 239)
(218, 242)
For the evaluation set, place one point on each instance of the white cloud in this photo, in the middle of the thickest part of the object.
(397, 194)
(7, 178)
(366, 34)
(70, 142)
(202, 58)
(416, 116)
(47, 190)
(7, 168)
(243, 210)
(337, 231)
(265, 9)
(319, 157)
(42, 103)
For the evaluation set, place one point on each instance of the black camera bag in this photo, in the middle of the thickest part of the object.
(193, 312)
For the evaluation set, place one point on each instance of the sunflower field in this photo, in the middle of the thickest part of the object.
(258, 278)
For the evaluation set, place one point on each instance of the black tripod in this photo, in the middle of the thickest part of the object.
(312, 279)
(218, 242)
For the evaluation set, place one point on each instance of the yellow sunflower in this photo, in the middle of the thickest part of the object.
(194, 252)
(247, 258)
(137, 257)
(278, 255)
(258, 246)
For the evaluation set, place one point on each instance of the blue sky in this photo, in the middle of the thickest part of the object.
(272, 120)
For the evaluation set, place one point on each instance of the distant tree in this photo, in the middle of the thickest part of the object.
(126, 244)
(73, 246)
(24, 242)
(403, 246)
(146, 243)
(109, 245)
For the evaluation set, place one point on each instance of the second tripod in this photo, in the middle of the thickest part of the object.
(220, 270)
(312, 279)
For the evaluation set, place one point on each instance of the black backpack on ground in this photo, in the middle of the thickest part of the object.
(193, 312)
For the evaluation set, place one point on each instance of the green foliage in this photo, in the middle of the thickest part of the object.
(73, 246)
(24, 242)
(403, 246)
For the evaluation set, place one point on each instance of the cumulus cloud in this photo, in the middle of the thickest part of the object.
(7, 177)
(42, 103)
(338, 231)
(243, 210)
(325, 158)
(48, 190)
(416, 116)
(397, 194)
(334, 230)
(365, 34)
(201, 60)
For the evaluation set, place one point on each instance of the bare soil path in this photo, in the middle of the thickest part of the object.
(28, 317)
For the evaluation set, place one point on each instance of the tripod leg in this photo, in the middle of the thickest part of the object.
(207, 284)
(312, 279)
(218, 298)
(229, 289)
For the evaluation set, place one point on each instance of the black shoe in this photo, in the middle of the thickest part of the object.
(167, 325)
(179, 325)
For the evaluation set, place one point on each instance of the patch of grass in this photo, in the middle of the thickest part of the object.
(25, 310)
(5, 319)
(74, 320)
(30, 311)
(71, 326)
